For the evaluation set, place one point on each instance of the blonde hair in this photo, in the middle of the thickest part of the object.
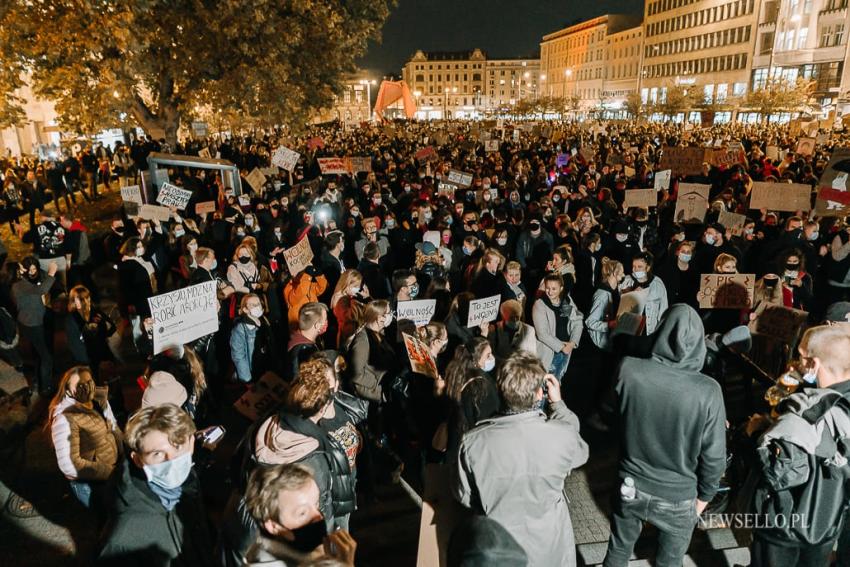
(347, 278)
(166, 418)
(84, 296)
(831, 345)
(722, 259)
(611, 267)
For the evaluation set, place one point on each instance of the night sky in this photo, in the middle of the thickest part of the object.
(503, 28)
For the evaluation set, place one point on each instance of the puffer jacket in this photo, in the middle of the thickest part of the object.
(94, 449)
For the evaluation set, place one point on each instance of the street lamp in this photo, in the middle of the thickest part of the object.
(446, 99)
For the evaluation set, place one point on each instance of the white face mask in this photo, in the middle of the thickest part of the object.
(170, 474)
(621, 237)
(813, 236)
(249, 221)
(140, 252)
(192, 247)
(639, 276)
(353, 290)
(501, 241)
(256, 312)
(489, 364)
(791, 274)
(388, 320)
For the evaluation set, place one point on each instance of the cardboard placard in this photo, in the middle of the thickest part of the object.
(587, 154)
(285, 158)
(662, 180)
(183, 315)
(683, 161)
(806, 146)
(154, 212)
(726, 158)
(131, 194)
(419, 311)
(204, 208)
(726, 291)
(256, 179)
(333, 166)
(357, 164)
(315, 142)
(783, 323)
(263, 396)
(426, 155)
(629, 171)
(173, 196)
(483, 310)
(491, 146)
(244, 200)
(789, 197)
(630, 319)
(641, 198)
(733, 222)
(461, 178)
(299, 256)
(691, 202)
(204, 153)
(772, 153)
(420, 357)
(834, 186)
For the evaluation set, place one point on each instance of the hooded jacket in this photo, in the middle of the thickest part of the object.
(673, 418)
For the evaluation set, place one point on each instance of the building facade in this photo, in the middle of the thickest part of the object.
(511, 80)
(804, 39)
(574, 59)
(353, 105)
(447, 84)
(698, 44)
(622, 67)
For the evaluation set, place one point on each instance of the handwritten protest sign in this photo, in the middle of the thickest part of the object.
(691, 202)
(834, 186)
(461, 178)
(244, 200)
(204, 208)
(446, 188)
(726, 291)
(806, 146)
(285, 158)
(483, 310)
(173, 196)
(772, 153)
(780, 322)
(725, 158)
(333, 166)
(662, 180)
(562, 159)
(256, 179)
(780, 196)
(491, 146)
(263, 396)
(183, 315)
(641, 198)
(630, 319)
(204, 153)
(683, 161)
(315, 142)
(131, 194)
(357, 164)
(420, 357)
(629, 171)
(299, 256)
(420, 311)
(733, 222)
(426, 155)
(154, 212)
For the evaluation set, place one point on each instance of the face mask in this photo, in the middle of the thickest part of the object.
(179, 233)
(192, 248)
(748, 232)
(240, 233)
(511, 324)
(414, 290)
(501, 241)
(355, 214)
(309, 537)
(770, 283)
(389, 318)
(621, 237)
(489, 364)
(377, 202)
(556, 198)
(278, 233)
(428, 216)
(214, 265)
(466, 251)
(710, 239)
(447, 238)
(170, 474)
(390, 223)
(449, 221)
(256, 312)
(810, 377)
(140, 252)
(685, 258)
(84, 392)
(244, 259)
(813, 236)
(639, 276)
(407, 188)
(791, 274)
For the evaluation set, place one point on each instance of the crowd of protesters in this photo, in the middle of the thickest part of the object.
(543, 226)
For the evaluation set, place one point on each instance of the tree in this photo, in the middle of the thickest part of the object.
(634, 106)
(780, 95)
(159, 61)
(678, 100)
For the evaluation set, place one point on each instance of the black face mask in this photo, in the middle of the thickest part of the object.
(33, 277)
(244, 259)
(84, 393)
(792, 267)
(770, 283)
(309, 537)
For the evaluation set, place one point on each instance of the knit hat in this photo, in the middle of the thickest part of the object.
(163, 388)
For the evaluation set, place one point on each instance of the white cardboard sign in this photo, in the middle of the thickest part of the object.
(173, 196)
(483, 310)
(420, 311)
(183, 315)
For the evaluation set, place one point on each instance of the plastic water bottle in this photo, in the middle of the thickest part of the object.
(627, 489)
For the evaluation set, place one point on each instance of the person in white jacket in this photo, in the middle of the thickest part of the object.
(643, 278)
(558, 324)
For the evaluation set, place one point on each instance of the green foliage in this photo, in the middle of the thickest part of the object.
(780, 95)
(160, 61)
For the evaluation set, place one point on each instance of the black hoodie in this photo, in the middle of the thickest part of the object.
(672, 416)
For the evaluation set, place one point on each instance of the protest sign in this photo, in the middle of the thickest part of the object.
(256, 179)
(173, 196)
(772, 153)
(683, 161)
(357, 164)
(806, 146)
(204, 153)
(315, 142)
(787, 197)
(264, 395)
(426, 155)
(587, 154)
(795, 127)
(183, 315)
(333, 166)
(154, 212)
(662, 180)
(420, 357)
(244, 201)
(630, 319)
(204, 208)
(691, 202)
(299, 256)
(420, 311)
(483, 310)
(268, 171)
(131, 194)
(726, 291)
(641, 198)
(491, 146)
(285, 158)
(725, 158)
(780, 322)
(461, 178)
(733, 222)
(629, 171)
(448, 189)
(834, 186)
